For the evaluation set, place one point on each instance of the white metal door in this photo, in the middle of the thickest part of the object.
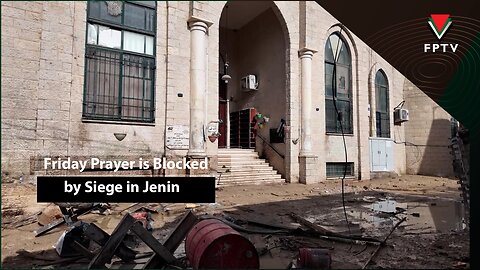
(381, 155)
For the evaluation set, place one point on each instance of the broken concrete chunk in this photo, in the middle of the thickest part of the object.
(49, 214)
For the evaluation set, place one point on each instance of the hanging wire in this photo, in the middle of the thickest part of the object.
(339, 119)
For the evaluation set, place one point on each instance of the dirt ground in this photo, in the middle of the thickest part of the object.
(434, 234)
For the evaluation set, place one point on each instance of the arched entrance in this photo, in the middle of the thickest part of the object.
(253, 105)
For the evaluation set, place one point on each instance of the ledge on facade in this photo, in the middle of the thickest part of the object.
(340, 134)
(93, 121)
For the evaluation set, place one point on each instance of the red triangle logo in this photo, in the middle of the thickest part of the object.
(439, 20)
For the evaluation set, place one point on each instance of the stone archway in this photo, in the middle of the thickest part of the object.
(255, 41)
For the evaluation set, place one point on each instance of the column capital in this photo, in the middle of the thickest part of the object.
(307, 154)
(306, 52)
(196, 23)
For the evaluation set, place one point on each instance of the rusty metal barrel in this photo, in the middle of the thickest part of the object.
(213, 244)
(314, 258)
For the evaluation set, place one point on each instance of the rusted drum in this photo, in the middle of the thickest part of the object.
(213, 244)
(314, 258)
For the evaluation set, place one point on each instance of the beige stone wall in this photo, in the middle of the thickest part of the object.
(43, 46)
(21, 46)
(330, 148)
(427, 135)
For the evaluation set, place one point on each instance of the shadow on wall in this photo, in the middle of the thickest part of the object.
(431, 156)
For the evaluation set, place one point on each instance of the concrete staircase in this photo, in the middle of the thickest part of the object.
(244, 167)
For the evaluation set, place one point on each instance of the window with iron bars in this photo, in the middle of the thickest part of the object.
(338, 86)
(337, 169)
(382, 114)
(120, 61)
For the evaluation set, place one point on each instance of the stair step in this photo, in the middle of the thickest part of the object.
(244, 182)
(233, 163)
(245, 167)
(249, 173)
(220, 158)
(234, 150)
(250, 177)
(242, 169)
(239, 155)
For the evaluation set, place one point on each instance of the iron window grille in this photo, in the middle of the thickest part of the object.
(382, 114)
(336, 169)
(120, 61)
(343, 79)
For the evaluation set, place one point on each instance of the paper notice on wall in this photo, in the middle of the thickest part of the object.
(178, 137)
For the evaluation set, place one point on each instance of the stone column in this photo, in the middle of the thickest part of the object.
(307, 160)
(198, 66)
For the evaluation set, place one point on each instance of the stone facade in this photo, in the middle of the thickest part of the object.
(43, 58)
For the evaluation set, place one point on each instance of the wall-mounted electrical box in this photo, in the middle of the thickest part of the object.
(400, 115)
(249, 82)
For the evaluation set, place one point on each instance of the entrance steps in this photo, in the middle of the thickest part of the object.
(244, 167)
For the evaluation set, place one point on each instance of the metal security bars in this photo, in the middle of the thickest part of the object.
(118, 86)
(120, 61)
(336, 169)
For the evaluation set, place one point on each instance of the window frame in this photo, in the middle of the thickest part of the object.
(118, 116)
(350, 170)
(330, 98)
(380, 133)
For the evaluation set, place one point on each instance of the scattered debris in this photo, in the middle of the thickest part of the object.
(51, 213)
(19, 221)
(321, 232)
(70, 215)
(66, 245)
(277, 235)
(314, 258)
(12, 212)
(145, 218)
(190, 206)
(383, 243)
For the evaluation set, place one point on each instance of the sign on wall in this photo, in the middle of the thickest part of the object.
(177, 137)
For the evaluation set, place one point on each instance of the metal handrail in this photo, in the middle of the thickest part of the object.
(271, 146)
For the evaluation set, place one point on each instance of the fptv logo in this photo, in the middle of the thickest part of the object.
(440, 23)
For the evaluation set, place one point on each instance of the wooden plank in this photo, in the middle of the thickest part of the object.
(326, 234)
(174, 239)
(151, 242)
(309, 224)
(106, 252)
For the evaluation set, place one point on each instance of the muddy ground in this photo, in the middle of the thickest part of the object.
(434, 234)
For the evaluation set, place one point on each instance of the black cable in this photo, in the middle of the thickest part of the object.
(339, 119)
(400, 105)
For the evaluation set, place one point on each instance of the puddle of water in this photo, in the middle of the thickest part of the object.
(439, 216)
(443, 216)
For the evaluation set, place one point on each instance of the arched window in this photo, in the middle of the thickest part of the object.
(382, 114)
(338, 85)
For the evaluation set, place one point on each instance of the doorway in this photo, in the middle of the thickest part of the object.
(253, 43)
(222, 113)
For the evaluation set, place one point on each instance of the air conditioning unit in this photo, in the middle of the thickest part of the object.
(249, 82)
(400, 115)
